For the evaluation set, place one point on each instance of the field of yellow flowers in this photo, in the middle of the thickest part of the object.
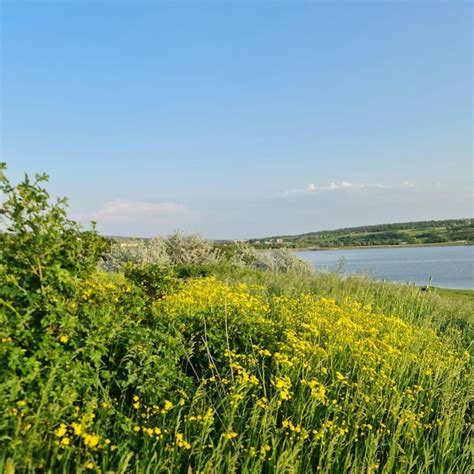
(235, 370)
(244, 380)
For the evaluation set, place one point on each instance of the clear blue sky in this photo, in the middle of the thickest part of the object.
(241, 119)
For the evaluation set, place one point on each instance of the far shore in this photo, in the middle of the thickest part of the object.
(382, 246)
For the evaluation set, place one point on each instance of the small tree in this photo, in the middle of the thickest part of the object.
(191, 250)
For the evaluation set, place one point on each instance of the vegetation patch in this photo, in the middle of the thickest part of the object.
(452, 231)
(216, 365)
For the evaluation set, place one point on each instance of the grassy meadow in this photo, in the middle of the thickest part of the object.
(218, 367)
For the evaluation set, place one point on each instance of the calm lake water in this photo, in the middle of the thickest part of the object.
(449, 267)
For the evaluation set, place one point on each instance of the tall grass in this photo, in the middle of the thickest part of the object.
(441, 310)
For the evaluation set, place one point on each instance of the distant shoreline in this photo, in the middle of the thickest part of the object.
(383, 246)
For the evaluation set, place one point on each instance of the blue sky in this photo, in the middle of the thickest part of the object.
(241, 119)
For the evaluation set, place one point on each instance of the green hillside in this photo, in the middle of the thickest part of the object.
(408, 233)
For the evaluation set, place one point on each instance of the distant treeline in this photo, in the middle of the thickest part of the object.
(406, 233)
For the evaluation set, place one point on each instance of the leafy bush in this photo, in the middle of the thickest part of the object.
(191, 250)
(43, 256)
(192, 255)
(70, 339)
(155, 280)
(177, 249)
(281, 261)
(242, 255)
(137, 252)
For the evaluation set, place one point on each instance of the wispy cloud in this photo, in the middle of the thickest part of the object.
(123, 211)
(332, 186)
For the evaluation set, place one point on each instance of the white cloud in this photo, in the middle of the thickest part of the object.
(332, 186)
(349, 185)
(311, 188)
(123, 211)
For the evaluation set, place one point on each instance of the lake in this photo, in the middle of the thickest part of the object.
(449, 267)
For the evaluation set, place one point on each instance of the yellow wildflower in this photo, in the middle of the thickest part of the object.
(77, 427)
(91, 440)
(181, 442)
(27, 427)
(264, 449)
(61, 431)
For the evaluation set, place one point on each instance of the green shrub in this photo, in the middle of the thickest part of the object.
(71, 340)
(155, 280)
(43, 256)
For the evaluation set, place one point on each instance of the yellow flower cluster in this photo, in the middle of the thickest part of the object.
(181, 442)
(209, 294)
(283, 386)
(66, 432)
(97, 289)
(318, 391)
(341, 357)
(79, 430)
(205, 418)
(312, 370)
